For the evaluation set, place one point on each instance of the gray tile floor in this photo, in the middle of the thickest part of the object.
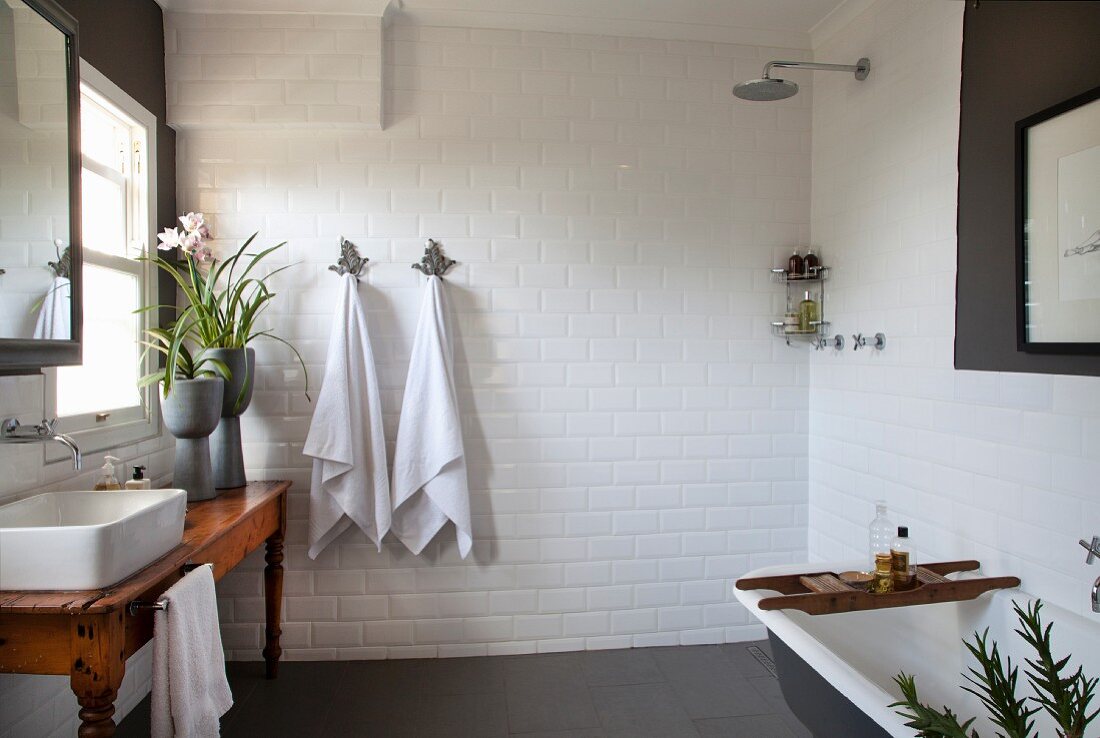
(659, 692)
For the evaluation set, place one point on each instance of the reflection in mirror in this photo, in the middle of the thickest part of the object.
(35, 289)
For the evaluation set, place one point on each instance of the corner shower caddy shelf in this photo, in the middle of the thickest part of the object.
(817, 276)
(823, 593)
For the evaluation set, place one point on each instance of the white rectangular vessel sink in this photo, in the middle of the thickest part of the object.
(86, 540)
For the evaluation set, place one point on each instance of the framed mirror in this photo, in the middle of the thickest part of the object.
(40, 255)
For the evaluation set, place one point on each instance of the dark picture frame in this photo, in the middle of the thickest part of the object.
(29, 356)
(1024, 127)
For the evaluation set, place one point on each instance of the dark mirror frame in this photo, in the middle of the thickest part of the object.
(1023, 341)
(28, 356)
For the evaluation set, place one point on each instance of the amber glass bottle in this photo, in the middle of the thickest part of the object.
(884, 576)
(795, 265)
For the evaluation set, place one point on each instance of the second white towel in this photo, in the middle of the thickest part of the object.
(429, 465)
(346, 441)
(190, 690)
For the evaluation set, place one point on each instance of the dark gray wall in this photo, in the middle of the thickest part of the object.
(1018, 58)
(124, 39)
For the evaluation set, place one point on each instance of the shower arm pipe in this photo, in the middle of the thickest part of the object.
(857, 69)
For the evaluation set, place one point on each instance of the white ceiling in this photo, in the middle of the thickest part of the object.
(784, 23)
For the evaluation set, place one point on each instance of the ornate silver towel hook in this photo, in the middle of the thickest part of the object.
(350, 262)
(63, 267)
(433, 263)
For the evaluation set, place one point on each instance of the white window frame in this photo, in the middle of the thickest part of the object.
(111, 428)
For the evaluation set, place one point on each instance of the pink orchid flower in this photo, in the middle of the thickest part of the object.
(192, 222)
(190, 241)
(169, 240)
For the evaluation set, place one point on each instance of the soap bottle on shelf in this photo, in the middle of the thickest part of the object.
(808, 314)
(882, 532)
(107, 479)
(138, 481)
(901, 560)
(811, 263)
(795, 265)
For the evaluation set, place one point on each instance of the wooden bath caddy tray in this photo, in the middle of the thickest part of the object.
(823, 593)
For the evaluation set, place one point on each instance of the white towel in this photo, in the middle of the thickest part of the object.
(55, 316)
(350, 480)
(429, 465)
(190, 691)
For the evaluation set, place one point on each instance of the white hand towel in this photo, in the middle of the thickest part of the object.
(350, 481)
(55, 315)
(190, 691)
(429, 465)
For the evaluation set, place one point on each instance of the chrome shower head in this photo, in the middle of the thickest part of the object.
(765, 89)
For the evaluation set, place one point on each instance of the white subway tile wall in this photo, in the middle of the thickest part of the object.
(999, 467)
(635, 437)
(274, 70)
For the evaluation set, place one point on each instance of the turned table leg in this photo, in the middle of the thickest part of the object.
(273, 598)
(97, 650)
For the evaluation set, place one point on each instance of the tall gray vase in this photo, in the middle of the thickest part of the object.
(225, 448)
(191, 412)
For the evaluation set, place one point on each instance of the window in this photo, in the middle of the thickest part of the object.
(99, 401)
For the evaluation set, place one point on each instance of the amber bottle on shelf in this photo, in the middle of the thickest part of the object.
(795, 265)
(811, 263)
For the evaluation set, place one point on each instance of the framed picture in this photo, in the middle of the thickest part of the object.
(1058, 227)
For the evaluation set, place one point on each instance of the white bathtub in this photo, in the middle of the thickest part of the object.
(859, 653)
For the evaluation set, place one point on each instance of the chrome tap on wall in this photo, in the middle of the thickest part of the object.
(1094, 552)
(12, 432)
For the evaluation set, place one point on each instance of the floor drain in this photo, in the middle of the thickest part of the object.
(764, 660)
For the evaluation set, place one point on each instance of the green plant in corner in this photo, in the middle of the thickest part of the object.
(1066, 698)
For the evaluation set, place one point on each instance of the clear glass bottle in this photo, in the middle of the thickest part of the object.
(901, 559)
(882, 532)
(107, 479)
(808, 314)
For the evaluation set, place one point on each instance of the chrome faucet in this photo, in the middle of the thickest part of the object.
(12, 432)
(1094, 552)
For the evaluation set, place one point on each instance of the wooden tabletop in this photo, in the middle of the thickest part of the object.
(206, 523)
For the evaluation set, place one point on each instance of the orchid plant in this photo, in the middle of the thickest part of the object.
(191, 239)
(224, 298)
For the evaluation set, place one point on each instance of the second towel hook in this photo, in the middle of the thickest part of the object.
(433, 263)
(350, 261)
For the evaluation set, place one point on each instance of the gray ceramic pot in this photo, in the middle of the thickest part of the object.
(191, 412)
(226, 453)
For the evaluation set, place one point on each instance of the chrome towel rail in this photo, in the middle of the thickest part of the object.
(137, 606)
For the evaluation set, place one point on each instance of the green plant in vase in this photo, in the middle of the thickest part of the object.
(223, 303)
(191, 390)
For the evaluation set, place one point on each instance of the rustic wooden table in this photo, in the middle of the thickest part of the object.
(89, 635)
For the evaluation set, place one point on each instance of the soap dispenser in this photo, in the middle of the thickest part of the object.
(138, 481)
(809, 315)
(107, 479)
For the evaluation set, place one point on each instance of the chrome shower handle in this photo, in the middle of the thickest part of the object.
(1093, 549)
